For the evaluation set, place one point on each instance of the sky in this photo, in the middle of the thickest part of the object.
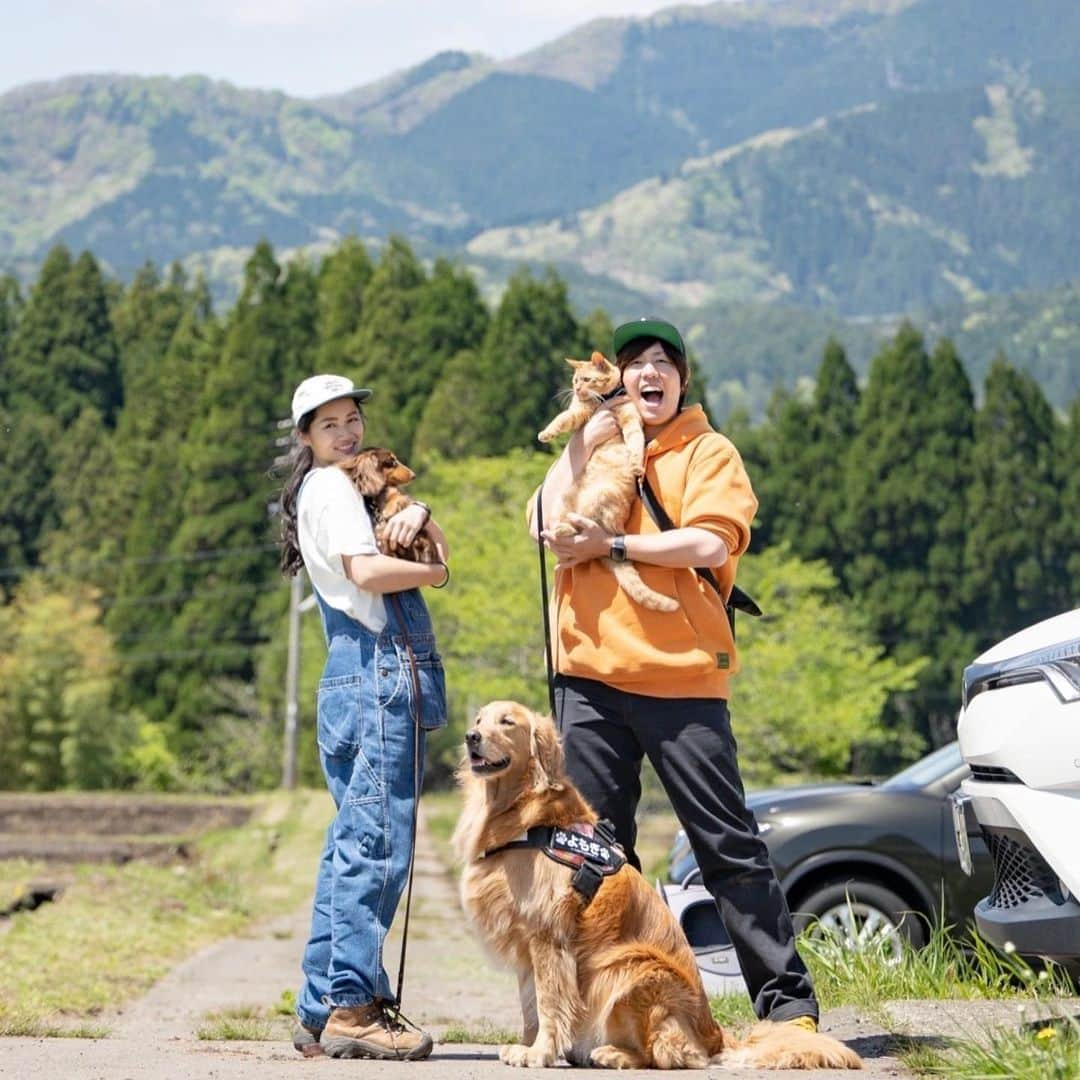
(304, 47)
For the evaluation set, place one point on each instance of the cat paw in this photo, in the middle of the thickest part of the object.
(563, 529)
(546, 436)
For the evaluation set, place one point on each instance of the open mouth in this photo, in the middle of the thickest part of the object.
(481, 766)
(652, 395)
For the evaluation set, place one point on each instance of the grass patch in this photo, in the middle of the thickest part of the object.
(484, 1035)
(242, 1024)
(117, 929)
(949, 967)
(1045, 1051)
(16, 1023)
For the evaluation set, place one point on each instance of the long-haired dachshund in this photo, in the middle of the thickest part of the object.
(379, 476)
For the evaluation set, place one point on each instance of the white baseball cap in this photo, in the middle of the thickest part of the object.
(320, 389)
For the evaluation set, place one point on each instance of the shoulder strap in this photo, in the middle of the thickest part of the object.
(737, 600)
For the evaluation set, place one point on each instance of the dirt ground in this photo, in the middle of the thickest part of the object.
(450, 988)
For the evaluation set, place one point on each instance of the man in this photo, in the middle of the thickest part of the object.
(633, 682)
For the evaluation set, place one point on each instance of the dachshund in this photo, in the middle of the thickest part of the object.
(378, 476)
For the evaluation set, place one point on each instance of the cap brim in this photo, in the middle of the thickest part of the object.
(651, 328)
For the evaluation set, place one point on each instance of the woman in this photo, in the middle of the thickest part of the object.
(632, 682)
(369, 705)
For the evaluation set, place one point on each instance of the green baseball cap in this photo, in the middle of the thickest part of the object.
(646, 327)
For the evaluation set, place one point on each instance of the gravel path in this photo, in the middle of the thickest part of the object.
(450, 989)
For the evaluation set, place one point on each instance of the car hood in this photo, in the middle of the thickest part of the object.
(790, 798)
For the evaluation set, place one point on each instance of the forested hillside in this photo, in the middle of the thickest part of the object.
(142, 632)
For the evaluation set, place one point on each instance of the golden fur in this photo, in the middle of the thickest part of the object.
(612, 983)
(608, 486)
(378, 476)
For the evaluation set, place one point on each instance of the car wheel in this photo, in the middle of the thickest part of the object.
(860, 915)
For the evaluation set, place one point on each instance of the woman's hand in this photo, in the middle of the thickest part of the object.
(402, 529)
(589, 541)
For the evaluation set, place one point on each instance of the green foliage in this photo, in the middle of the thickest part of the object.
(488, 621)
(57, 665)
(1015, 573)
(836, 679)
(521, 365)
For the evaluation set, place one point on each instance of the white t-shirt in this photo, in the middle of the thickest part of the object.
(332, 521)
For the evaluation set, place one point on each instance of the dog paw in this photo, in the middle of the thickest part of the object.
(611, 1057)
(527, 1057)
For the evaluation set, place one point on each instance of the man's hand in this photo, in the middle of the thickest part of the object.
(402, 529)
(599, 428)
(589, 541)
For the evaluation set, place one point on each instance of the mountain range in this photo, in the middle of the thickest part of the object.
(868, 157)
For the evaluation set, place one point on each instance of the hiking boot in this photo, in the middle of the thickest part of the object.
(372, 1031)
(807, 1023)
(306, 1040)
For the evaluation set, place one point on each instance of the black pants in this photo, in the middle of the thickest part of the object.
(605, 732)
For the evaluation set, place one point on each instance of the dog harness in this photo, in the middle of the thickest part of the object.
(589, 850)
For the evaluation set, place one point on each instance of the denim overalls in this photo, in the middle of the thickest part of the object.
(366, 744)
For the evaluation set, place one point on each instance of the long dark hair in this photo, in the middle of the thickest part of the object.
(301, 459)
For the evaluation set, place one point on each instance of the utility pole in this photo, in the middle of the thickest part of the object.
(292, 682)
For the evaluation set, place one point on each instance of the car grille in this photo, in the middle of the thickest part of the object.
(994, 774)
(1020, 873)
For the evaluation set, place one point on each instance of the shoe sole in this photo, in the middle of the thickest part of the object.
(307, 1043)
(343, 1047)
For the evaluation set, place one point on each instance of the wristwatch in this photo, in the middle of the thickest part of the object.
(618, 549)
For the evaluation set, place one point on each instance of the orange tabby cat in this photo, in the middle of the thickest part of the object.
(608, 486)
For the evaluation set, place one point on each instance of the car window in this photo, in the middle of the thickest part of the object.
(928, 769)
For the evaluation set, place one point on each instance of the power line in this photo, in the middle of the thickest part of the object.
(209, 555)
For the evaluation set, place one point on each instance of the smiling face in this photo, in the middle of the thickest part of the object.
(507, 739)
(654, 385)
(336, 431)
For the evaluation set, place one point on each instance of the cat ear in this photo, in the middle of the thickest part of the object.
(576, 363)
(599, 360)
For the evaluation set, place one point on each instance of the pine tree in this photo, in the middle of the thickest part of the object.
(1067, 534)
(224, 547)
(300, 298)
(10, 308)
(147, 594)
(1014, 576)
(890, 521)
(384, 351)
(343, 277)
(64, 354)
(522, 367)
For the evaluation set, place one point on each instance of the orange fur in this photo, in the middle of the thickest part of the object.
(607, 488)
(612, 983)
(377, 474)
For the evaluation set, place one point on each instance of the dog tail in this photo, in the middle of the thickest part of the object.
(784, 1046)
(626, 574)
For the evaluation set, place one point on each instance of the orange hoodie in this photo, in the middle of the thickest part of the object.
(600, 633)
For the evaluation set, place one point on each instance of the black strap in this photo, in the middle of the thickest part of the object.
(417, 705)
(544, 603)
(737, 600)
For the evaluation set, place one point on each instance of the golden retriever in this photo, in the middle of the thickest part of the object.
(610, 982)
(379, 476)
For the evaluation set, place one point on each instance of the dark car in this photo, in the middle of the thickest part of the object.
(888, 848)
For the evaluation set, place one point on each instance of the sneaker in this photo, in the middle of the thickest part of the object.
(372, 1031)
(807, 1023)
(306, 1040)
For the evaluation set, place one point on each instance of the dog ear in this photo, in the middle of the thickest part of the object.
(367, 474)
(547, 754)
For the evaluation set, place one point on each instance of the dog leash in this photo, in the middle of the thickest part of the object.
(544, 604)
(417, 713)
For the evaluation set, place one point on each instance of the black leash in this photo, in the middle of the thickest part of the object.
(544, 603)
(417, 712)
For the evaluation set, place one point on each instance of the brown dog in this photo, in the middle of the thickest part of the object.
(610, 981)
(379, 476)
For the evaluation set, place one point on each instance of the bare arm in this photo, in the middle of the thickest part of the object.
(385, 574)
(676, 547)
